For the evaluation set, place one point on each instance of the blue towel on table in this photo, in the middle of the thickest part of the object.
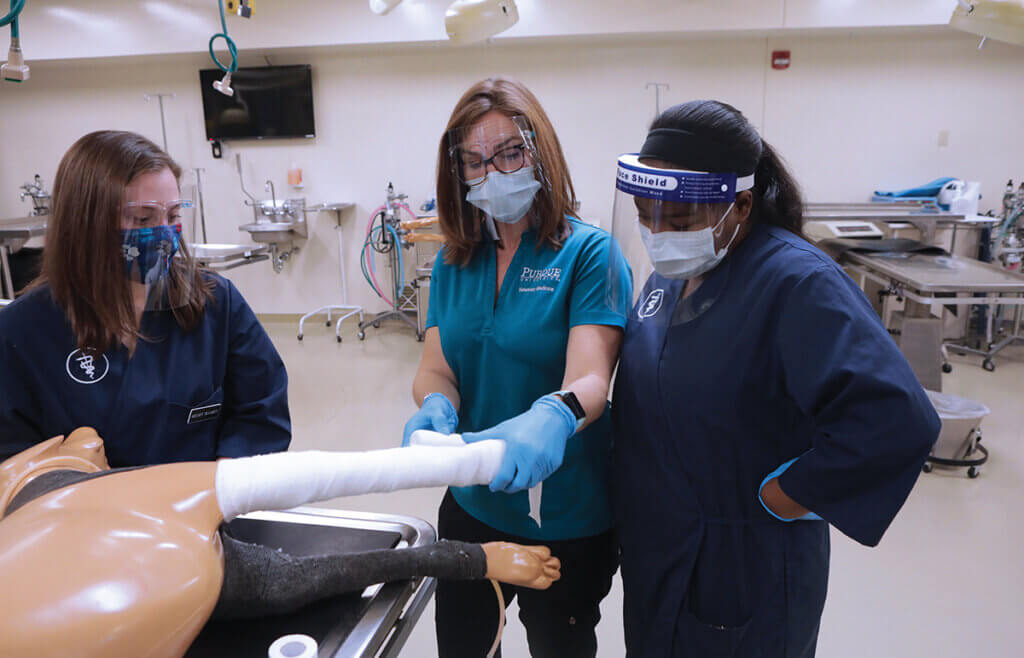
(928, 189)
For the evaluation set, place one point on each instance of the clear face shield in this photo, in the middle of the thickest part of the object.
(673, 221)
(156, 259)
(497, 169)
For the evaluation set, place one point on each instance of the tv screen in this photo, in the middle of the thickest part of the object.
(269, 102)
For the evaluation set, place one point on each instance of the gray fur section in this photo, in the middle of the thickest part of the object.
(260, 581)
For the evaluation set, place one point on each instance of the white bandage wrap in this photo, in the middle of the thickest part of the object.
(428, 438)
(288, 479)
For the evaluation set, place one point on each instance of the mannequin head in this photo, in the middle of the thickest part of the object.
(82, 450)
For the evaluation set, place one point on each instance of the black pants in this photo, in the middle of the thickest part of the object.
(559, 621)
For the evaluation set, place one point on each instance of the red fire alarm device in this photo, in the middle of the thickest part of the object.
(780, 60)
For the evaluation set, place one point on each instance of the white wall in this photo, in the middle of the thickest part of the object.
(107, 28)
(854, 112)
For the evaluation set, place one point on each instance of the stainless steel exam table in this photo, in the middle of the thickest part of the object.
(13, 234)
(928, 279)
(375, 622)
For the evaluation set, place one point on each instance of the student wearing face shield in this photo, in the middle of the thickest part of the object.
(758, 400)
(520, 346)
(123, 332)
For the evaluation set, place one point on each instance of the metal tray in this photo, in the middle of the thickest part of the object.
(374, 623)
(223, 253)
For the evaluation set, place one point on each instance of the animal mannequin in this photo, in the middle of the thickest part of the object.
(133, 562)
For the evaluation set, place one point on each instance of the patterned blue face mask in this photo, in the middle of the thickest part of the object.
(148, 252)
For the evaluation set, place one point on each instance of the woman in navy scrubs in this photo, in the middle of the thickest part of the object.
(520, 347)
(759, 399)
(123, 333)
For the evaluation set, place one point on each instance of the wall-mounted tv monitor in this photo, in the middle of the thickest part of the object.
(269, 102)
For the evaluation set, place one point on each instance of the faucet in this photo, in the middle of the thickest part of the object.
(39, 196)
(273, 196)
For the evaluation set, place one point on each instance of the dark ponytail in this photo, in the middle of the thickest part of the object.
(777, 198)
(724, 141)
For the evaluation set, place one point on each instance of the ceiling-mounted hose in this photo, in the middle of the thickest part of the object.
(223, 34)
(12, 17)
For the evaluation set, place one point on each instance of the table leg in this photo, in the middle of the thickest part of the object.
(5, 274)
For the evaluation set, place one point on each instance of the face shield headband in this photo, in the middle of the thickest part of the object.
(677, 185)
(672, 216)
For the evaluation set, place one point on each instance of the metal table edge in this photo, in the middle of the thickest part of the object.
(388, 603)
(874, 264)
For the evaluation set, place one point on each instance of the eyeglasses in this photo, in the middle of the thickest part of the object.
(140, 214)
(472, 167)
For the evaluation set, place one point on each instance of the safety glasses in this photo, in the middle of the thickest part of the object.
(145, 214)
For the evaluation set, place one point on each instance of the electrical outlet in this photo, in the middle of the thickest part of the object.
(241, 8)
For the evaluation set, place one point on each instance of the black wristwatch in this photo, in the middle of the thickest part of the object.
(569, 398)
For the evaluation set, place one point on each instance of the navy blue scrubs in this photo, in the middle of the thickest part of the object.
(778, 356)
(219, 390)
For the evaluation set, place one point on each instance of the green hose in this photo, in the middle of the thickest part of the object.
(12, 17)
(223, 34)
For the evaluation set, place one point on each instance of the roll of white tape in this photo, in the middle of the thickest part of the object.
(293, 646)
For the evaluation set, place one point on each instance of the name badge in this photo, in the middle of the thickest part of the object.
(201, 414)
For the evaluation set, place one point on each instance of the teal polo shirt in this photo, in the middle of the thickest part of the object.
(508, 351)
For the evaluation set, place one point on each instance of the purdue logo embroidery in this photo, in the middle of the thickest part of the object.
(86, 368)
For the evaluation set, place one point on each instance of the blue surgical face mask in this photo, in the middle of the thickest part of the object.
(148, 252)
(505, 197)
(685, 254)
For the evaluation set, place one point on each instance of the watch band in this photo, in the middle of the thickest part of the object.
(570, 400)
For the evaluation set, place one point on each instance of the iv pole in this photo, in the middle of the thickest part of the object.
(657, 94)
(163, 123)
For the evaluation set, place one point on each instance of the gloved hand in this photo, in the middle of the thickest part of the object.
(534, 444)
(437, 413)
(810, 516)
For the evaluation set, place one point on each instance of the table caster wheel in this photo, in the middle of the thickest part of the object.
(328, 323)
(339, 339)
(376, 324)
(927, 468)
(973, 472)
(988, 365)
(300, 336)
(419, 338)
(362, 335)
(947, 368)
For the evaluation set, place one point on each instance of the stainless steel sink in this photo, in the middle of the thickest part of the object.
(278, 221)
(275, 232)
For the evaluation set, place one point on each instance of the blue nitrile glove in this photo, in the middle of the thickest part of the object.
(810, 516)
(534, 444)
(437, 413)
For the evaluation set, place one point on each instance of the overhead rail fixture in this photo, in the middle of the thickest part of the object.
(1002, 20)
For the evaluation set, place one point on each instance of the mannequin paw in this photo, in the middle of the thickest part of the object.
(526, 566)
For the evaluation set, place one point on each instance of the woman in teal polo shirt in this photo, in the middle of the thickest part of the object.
(520, 346)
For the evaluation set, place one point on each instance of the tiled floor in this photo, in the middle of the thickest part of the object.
(946, 582)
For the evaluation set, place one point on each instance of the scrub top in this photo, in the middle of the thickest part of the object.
(777, 355)
(219, 390)
(509, 351)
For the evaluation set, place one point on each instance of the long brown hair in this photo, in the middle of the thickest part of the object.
(461, 223)
(83, 264)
